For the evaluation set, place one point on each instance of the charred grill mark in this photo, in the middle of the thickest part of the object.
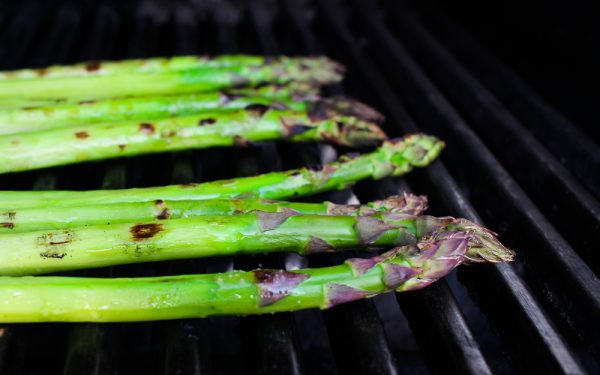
(87, 102)
(188, 185)
(48, 254)
(42, 72)
(273, 285)
(92, 66)
(7, 224)
(54, 243)
(82, 135)
(10, 215)
(141, 232)
(240, 141)
(256, 110)
(121, 147)
(206, 121)
(146, 128)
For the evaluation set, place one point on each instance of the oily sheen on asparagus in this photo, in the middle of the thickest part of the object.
(394, 158)
(411, 267)
(149, 65)
(35, 219)
(39, 252)
(53, 147)
(313, 70)
(56, 115)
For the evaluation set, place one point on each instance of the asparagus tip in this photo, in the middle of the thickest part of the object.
(409, 204)
(419, 149)
(343, 106)
(322, 70)
(483, 244)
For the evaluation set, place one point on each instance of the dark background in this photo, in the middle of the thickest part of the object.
(553, 45)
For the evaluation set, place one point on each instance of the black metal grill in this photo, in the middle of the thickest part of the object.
(511, 161)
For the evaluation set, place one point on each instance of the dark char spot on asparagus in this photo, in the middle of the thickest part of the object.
(82, 135)
(146, 128)
(206, 121)
(92, 66)
(141, 232)
(256, 110)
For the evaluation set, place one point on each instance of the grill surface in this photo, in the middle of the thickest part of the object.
(512, 162)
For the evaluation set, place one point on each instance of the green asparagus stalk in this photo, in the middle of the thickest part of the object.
(53, 147)
(21, 120)
(146, 66)
(36, 219)
(296, 91)
(34, 253)
(279, 71)
(71, 299)
(393, 158)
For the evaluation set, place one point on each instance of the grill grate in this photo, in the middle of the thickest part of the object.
(503, 166)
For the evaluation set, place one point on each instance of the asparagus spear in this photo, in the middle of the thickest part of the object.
(312, 70)
(149, 65)
(393, 158)
(33, 253)
(21, 120)
(26, 151)
(35, 219)
(297, 91)
(47, 298)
